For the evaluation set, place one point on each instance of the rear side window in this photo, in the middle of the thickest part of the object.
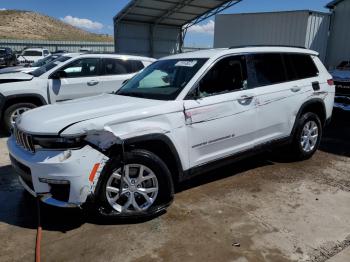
(268, 69)
(113, 66)
(299, 66)
(137, 65)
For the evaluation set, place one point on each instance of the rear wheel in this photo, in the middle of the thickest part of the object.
(145, 189)
(13, 112)
(307, 137)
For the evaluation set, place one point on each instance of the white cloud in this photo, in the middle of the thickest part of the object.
(207, 28)
(82, 23)
(3, 9)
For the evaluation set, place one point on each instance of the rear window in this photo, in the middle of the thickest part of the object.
(299, 66)
(32, 53)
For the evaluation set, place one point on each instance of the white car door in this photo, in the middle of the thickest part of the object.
(279, 91)
(78, 79)
(114, 72)
(222, 122)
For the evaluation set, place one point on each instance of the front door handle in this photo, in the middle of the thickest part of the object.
(246, 97)
(245, 100)
(92, 83)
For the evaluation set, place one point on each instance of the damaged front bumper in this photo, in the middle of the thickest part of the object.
(59, 178)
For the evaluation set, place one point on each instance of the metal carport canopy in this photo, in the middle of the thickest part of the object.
(180, 14)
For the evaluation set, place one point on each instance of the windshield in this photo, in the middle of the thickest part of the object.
(344, 65)
(163, 80)
(44, 61)
(32, 53)
(2, 51)
(45, 68)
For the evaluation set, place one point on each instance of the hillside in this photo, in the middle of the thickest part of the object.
(17, 24)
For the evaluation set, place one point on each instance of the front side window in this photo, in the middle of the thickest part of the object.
(85, 67)
(163, 80)
(227, 75)
(268, 69)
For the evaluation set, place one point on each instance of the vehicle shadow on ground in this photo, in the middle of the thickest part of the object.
(18, 208)
(336, 137)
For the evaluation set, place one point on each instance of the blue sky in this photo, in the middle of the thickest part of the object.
(96, 16)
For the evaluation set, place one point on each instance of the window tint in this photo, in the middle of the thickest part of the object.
(137, 65)
(119, 67)
(300, 66)
(227, 75)
(268, 69)
(82, 68)
(32, 53)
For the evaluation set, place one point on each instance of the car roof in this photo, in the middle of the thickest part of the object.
(119, 56)
(213, 53)
(34, 49)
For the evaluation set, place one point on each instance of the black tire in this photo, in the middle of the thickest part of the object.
(298, 153)
(165, 183)
(9, 111)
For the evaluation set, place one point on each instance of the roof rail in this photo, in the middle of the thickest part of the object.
(244, 46)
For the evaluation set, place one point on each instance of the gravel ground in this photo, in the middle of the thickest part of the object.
(260, 209)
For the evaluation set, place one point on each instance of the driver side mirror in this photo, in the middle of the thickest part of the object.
(195, 93)
(59, 74)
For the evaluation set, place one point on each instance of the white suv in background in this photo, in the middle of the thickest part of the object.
(183, 115)
(32, 55)
(68, 77)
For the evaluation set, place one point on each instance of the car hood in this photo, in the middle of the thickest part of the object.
(52, 119)
(12, 69)
(341, 75)
(15, 77)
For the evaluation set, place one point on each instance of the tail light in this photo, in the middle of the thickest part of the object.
(330, 82)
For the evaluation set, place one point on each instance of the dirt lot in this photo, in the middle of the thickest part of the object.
(260, 209)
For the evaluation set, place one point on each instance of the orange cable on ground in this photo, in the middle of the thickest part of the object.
(38, 235)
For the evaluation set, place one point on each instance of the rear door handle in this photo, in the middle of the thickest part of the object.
(295, 89)
(92, 83)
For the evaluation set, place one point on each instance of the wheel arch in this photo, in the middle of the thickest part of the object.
(162, 146)
(21, 98)
(315, 105)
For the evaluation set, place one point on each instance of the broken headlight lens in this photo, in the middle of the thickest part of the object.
(58, 142)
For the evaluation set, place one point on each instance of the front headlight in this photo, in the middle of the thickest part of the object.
(58, 142)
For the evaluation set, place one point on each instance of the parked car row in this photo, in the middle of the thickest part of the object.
(69, 76)
(124, 150)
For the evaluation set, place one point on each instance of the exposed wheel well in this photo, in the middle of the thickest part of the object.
(164, 152)
(23, 99)
(316, 107)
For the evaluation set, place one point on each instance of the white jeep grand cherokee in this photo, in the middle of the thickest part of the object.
(182, 115)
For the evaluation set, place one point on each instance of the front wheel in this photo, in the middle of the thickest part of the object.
(13, 112)
(307, 137)
(145, 189)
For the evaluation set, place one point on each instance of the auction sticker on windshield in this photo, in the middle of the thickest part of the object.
(186, 63)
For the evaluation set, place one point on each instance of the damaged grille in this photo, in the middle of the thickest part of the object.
(24, 140)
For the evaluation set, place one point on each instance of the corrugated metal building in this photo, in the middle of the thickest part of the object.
(294, 28)
(157, 28)
(339, 41)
